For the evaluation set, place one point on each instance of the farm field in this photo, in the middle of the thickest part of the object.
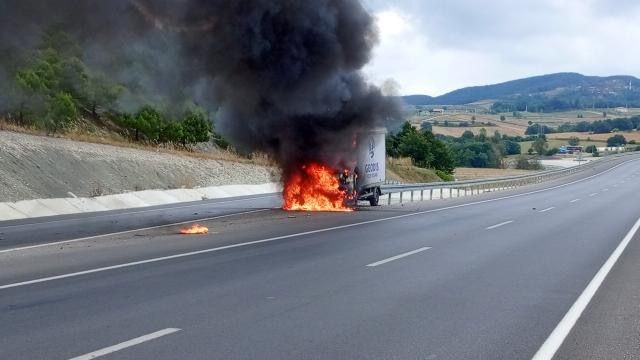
(601, 138)
(511, 130)
(512, 126)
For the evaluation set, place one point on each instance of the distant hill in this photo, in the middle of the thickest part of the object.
(561, 91)
(419, 100)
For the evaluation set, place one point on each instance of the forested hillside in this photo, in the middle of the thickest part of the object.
(57, 87)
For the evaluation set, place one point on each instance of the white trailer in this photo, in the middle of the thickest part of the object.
(370, 169)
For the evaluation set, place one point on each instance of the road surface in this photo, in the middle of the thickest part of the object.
(485, 277)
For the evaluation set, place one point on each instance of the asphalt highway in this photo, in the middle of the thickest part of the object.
(483, 277)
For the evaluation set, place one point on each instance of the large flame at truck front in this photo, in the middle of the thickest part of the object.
(314, 187)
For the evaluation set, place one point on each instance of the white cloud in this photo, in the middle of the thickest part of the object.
(432, 47)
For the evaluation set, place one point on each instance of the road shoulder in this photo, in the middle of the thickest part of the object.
(609, 328)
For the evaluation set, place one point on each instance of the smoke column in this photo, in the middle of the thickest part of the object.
(284, 75)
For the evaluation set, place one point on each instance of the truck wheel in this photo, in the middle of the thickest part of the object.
(376, 198)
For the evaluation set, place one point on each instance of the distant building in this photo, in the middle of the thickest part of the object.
(437, 111)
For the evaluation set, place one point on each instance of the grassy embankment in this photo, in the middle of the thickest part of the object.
(403, 170)
(89, 133)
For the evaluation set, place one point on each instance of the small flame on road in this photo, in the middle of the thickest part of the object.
(195, 229)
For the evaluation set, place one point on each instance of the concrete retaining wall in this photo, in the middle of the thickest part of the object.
(50, 207)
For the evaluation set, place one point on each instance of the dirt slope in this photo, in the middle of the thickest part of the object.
(44, 167)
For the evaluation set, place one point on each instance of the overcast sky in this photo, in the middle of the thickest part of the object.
(435, 46)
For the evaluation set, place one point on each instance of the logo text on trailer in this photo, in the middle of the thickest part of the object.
(372, 147)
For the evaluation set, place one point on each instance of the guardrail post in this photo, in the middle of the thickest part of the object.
(450, 193)
(411, 195)
(430, 194)
(422, 195)
(401, 193)
(441, 193)
(389, 199)
(458, 189)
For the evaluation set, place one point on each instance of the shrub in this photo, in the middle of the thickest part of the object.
(574, 141)
(552, 151)
(523, 163)
(445, 176)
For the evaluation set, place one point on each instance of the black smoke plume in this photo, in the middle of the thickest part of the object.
(284, 75)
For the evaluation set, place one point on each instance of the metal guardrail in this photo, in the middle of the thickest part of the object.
(445, 190)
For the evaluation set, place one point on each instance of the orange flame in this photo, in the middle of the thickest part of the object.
(314, 188)
(195, 229)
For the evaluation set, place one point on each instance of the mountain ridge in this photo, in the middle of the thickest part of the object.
(558, 91)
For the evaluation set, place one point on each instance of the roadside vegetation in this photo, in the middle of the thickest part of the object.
(443, 154)
(55, 90)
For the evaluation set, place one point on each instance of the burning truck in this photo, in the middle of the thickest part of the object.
(319, 187)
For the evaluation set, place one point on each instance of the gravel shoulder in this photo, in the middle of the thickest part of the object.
(36, 167)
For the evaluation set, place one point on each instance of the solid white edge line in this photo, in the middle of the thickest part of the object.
(562, 330)
(378, 263)
(499, 225)
(125, 212)
(40, 280)
(128, 231)
(126, 344)
(593, 194)
(547, 209)
(575, 200)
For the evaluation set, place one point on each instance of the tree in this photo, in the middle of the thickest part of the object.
(540, 145)
(101, 92)
(415, 146)
(502, 118)
(195, 128)
(422, 147)
(172, 131)
(496, 138)
(616, 140)
(574, 141)
(468, 135)
(512, 147)
(482, 137)
(147, 122)
(61, 113)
